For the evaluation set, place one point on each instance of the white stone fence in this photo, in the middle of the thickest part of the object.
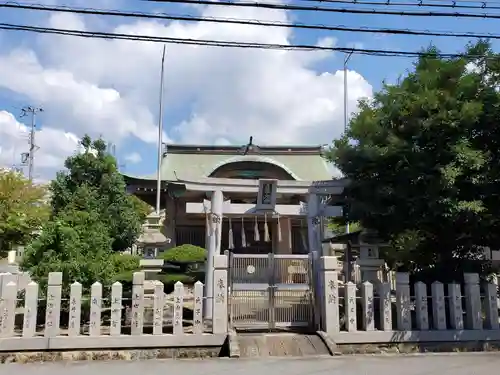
(47, 321)
(370, 312)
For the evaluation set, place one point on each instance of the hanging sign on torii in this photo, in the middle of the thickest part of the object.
(266, 197)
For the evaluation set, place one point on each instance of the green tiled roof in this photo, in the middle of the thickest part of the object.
(303, 166)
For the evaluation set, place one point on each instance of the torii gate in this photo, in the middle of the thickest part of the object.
(314, 209)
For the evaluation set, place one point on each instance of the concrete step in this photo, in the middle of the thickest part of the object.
(280, 345)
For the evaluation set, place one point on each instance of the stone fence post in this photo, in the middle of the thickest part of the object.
(137, 321)
(473, 301)
(5, 278)
(220, 294)
(8, 309)
(329, 267)
(491, 306)
(53, 311)
(403, 303)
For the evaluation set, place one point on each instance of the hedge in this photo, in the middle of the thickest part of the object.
(185, 254)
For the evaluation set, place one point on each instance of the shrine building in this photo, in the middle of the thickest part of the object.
(202, 185)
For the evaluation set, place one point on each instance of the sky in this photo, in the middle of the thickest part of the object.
(213, 95)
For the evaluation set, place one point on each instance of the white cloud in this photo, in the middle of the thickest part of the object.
(134, 158)
(110, 87)
(54, 145)
(90, 108)
(472, 68)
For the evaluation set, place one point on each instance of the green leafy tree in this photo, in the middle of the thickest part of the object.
(97, 169)
(23, 209)
(423, 158)
(340, 227)
(75, 243)
(141, 207)
(92, 218)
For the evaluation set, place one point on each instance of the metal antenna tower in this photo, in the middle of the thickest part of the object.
(30, 156)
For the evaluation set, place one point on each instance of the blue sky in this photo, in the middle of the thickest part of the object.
(213, 95)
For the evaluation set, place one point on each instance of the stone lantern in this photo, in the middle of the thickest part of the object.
(151, 241)
(152, 238)
(369, 261)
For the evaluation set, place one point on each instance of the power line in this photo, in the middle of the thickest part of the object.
(229, 44)
(102, 12)
(330, 9)
(388, 3)
(462, 1)
(420, 4)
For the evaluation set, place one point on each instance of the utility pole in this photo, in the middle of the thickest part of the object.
(26, 111)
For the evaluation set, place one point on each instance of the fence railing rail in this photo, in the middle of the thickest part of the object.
(105, 316)
(384, 312)
(108, 316)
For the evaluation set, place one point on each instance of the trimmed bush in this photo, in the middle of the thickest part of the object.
(171, 279)
(125, 262)
(189, 261)
(185, 254)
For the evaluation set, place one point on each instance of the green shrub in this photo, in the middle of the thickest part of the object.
(185, 254)
(171, 279)
(124, 266)
(125, 278)
(125, 262)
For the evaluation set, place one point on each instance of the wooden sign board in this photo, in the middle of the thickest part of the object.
(266, 198)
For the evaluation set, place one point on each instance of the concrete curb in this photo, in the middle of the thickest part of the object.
(131, 342)
(234, 345)
(329, 343)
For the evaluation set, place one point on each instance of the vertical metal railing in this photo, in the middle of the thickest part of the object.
(293, 295)
(271, 291)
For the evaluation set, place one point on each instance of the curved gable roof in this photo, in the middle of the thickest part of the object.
(195, 162)
(254, 158)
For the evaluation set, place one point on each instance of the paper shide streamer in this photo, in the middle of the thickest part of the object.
(266, 229)
(230, 242)
(243, 235)
(256, 234)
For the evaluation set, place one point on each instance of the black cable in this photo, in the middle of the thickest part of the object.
(231, 44)
(329, 9)
(117, 13)
(419, 3)
(462, 1)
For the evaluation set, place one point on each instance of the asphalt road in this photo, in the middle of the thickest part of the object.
(446, 364)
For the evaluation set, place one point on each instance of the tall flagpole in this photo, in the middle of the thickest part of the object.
(346, 111)
(160, 136)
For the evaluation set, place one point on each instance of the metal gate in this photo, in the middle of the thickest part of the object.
(270, 291)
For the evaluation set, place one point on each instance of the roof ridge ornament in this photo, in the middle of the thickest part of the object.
(250, 147)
